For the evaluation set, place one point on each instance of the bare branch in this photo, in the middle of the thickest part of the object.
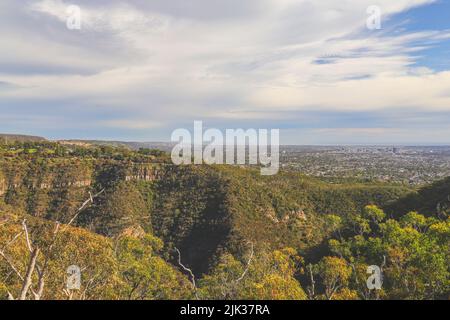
(27, 236)
(10, 296)
(333, 291)
(27, 281)
(11, 265)
(83, 206)
(189, 271)
(384, 263)
(12, 240)
(57, 225)
(68, 293)
(42, 271)
(41, 283)
(29, 274)
(248, 264)
(311, 290)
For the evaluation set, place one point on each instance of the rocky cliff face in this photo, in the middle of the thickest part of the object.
(40, 188)
(201, 210)
(82, 174)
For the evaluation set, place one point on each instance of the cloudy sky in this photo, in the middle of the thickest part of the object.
(137, 70)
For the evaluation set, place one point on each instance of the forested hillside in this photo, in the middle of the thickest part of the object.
(142, 228)
(8, 138)
(433, 200)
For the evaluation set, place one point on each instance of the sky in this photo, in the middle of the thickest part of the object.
(137, 70)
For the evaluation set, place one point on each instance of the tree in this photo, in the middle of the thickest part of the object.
(121, 207)
(373, 213)
(270, 275)
(413, 254)
(146, 275)
(35, 271)
(334, 273)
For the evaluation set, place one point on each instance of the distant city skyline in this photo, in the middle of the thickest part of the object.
(162, 142)
(138, 70)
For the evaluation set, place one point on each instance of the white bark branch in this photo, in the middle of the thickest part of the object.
(189, 271)
(10, 296)
(12, 241)
(90, 200)
(312, 289)
(29, 275)
(27, 281)
(248, 264)
(11, 265)
(27, 236)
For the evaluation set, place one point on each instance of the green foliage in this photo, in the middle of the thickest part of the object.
(126, 239)
(120, 207)
(414, 254)
(126, 268)
(146, 275)
(92, 253)
(334, 273)
(430, 200)
(373, 213)
(265, 276)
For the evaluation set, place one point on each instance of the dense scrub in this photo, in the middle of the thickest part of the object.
(125, 267)
(243, 235)
(431, 200)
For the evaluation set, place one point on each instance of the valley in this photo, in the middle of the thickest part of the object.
(217, 221)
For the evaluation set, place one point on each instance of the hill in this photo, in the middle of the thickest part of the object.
(221, 222)
(184, 205)
(20, 138)
(430, 200)
(164, 146)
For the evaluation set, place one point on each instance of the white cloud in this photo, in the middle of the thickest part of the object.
(120, 18)
(130, 124)
(171, 60)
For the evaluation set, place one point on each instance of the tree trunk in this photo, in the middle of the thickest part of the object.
(29, 275)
